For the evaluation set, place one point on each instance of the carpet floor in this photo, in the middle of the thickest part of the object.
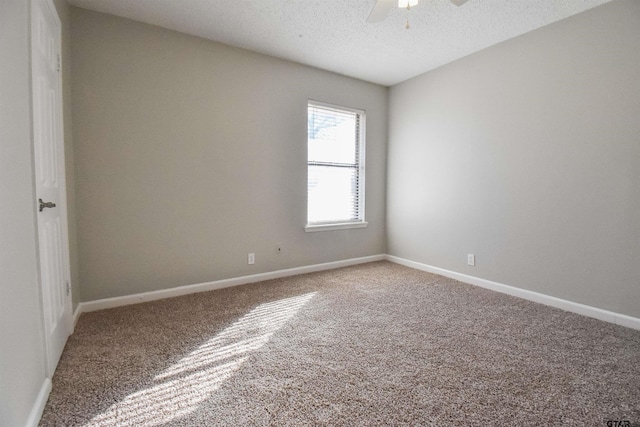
(370, 345)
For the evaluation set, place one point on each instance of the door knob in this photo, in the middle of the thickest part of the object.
(46, 205)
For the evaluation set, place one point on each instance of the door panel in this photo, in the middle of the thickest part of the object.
(50, 182)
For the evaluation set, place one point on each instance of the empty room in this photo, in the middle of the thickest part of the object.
(319, 212)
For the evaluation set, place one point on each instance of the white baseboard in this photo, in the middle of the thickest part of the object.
(574, 307)
(38, 405)
(102, 304)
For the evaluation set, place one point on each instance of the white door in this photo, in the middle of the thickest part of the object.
(50, 178)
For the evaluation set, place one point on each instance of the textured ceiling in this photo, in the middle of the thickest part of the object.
(334, 34)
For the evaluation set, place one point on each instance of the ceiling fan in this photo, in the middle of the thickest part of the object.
(382, 7)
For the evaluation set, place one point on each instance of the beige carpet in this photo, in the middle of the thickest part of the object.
(371, 345)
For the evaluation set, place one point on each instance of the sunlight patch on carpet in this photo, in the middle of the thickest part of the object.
(181, 388)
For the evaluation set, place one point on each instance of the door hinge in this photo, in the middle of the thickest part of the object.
(59, 63)
(68, 287)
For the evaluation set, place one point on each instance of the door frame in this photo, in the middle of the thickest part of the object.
(62, 202)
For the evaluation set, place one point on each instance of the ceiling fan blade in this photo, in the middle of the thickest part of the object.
(381, 10)
(458, 2)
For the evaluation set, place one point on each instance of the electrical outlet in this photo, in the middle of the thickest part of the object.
(251, 259)
(471, 259)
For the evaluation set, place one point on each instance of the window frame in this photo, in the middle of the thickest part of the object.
(361, 162)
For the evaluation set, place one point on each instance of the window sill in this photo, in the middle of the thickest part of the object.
(312, 228)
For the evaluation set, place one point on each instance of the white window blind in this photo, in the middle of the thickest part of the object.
(335, 166)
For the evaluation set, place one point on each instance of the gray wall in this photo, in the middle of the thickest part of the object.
(22, 368)
(527, 154)
(190, 154)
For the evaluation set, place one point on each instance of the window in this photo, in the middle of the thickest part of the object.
(335, 167)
